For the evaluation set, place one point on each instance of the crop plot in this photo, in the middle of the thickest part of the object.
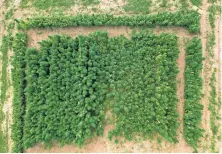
(135, 77)
(99, 66)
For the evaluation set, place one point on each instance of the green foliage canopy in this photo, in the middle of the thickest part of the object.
(69, 80)
(186, 19)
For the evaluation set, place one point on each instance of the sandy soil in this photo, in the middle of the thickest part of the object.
(220, 73)
(206, 76)
(7, 109)
(217, 57)
(36, 35)
(180, 94)
(7, 106)
(172, 5)
(105, 6)
(1, 3)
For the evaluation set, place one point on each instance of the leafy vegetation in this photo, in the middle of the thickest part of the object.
(210, 43)
(163, 3)
(143, 87)
(193, 86)
(212, 1)
(135, 6)
(19, 82)
(89, 2)
(46, 4)
(184, 4)
(196, 2)
(9, 14)
(186, 19)
(213, 10)
(4, 50)
(3, 140)
(214, 102)
(60, 110)
(4, 86)
(214, 108)
(7, 3)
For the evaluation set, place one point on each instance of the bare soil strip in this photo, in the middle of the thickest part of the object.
(180, 94)
(36, 35)
(217, 65)
(102, 144)
(206, 74)
(7, 108)
(220, 74)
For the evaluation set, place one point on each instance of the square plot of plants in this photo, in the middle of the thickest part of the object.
(71, 82)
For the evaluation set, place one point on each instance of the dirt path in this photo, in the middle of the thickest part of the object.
(7, 109)
(220, 75)
(36, 35)
(206, 74)
(217, 57)
(180, 94)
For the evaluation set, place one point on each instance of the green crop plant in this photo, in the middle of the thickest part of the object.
(196, 2)
(186, 19)
(193, 87)
(19, 83)
(4, 87)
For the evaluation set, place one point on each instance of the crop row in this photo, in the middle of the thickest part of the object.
(4, 51)
(193, 85)
(4, 88)
(186, 19)
(214, 107)
(19, 82)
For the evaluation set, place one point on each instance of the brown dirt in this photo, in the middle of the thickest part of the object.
(217, 57)
(1, 3)
(180, 94)
(7, 108)
(172, 5)
(206, 77)
(219, 76)
(9, 101)
(102, 144)
(110, 5)
(104, 7)
(17, 3)
(36, 35)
